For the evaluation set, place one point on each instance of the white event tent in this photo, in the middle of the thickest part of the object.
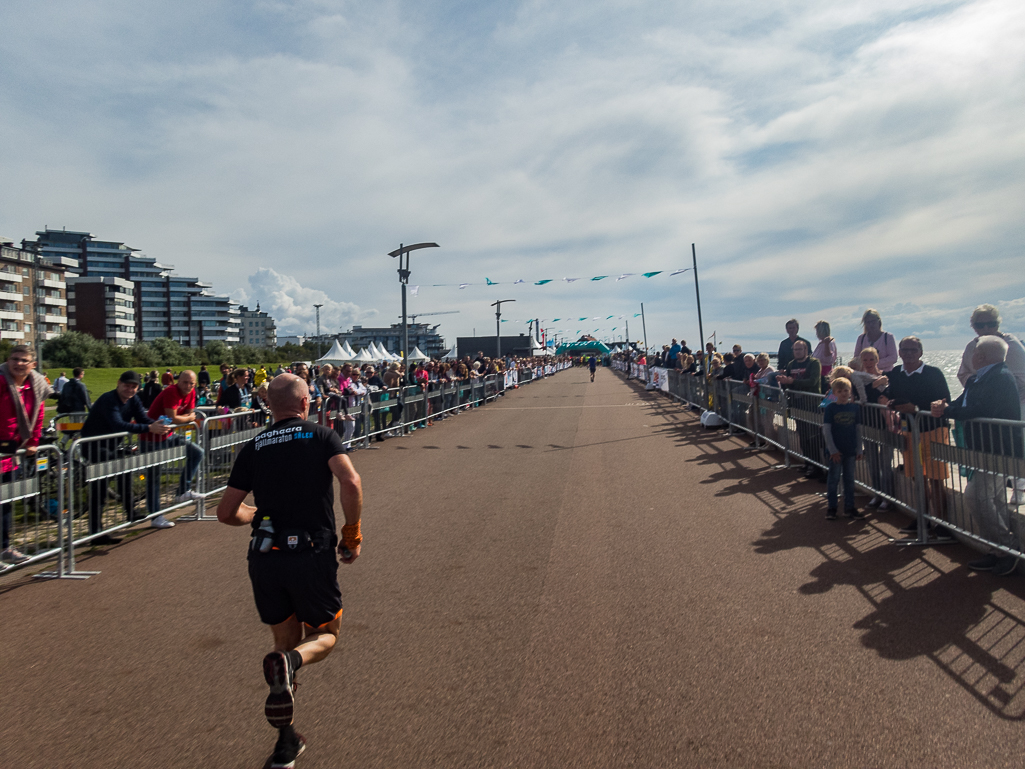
(336, 354)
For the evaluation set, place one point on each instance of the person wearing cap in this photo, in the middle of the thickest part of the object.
(117, 411)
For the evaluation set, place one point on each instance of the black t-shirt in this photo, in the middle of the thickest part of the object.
(233, 398)
(286, 468)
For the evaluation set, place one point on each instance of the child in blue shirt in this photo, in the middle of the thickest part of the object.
(841, 427)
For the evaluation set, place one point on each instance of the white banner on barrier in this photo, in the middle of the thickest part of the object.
(660, 379)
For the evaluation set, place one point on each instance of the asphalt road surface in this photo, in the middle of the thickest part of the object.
(578, 575)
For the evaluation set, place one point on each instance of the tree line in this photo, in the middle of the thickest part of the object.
(74, 348)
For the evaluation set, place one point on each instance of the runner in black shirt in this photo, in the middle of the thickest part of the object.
(290, 469)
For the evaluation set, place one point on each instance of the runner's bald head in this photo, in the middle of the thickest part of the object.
(285, 395)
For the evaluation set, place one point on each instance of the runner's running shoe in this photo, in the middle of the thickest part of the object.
(286, 752)
(277, 670)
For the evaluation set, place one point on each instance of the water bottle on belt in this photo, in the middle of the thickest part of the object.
(267, 540)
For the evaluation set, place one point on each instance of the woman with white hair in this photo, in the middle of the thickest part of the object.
(986, 322)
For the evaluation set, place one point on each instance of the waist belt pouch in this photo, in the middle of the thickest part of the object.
(293, 540)
(324, 540)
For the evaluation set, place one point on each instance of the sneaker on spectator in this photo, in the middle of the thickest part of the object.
(941, 534)
(911, 528)
(831, 514)
(884, 506)
(874, 502)
(13, 555)
(188, 496)
(160, 522)
(1018, 497)
(854, 514)
(1005, 565)
(984, 564)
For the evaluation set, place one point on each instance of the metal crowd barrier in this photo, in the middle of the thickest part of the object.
(32, 506)
(222, 438)
(114, 482)
(963, 481)
(78, 489)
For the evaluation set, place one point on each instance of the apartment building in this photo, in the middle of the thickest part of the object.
(163, 304)
(258, 329)
(33, 295)
(104, 308)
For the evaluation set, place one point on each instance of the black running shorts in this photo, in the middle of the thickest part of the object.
(303, 584)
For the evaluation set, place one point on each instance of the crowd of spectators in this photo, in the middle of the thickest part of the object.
(884, 383)
(338, 395)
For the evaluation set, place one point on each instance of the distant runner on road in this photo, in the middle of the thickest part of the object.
(593, 365)
(290, 468)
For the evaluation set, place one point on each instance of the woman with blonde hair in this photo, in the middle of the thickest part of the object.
(882, 341)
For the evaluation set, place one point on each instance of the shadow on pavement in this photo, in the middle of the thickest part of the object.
(922, 603)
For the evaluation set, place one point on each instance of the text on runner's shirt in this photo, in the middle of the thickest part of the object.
(281, 435)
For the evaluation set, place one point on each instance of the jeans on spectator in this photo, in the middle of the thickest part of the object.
(880, 467)
(809, 437)
(845, 466)
(348, 427)
(193, 458)
(7, 513)
(104, 451)
(986, 497)
(377, 414)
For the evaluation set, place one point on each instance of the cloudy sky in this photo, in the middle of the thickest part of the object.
(824, 156)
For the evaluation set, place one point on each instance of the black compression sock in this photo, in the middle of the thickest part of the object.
(295, 658)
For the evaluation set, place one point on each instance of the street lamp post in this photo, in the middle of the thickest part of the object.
(403, 252)
(319, 351)
(697, 295)
(498, 325)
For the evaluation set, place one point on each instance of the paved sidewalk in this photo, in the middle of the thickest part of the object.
(578, 575)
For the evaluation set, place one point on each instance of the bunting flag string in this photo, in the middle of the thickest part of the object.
(546, 281)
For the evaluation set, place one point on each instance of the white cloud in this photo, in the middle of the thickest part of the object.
(825, 156)
(292, 305)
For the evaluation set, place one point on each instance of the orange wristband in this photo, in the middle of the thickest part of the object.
(351, 536)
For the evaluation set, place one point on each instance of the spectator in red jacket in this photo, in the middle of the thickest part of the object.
(23, 393)
(176, 405)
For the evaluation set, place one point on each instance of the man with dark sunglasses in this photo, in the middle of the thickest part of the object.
(986, 322)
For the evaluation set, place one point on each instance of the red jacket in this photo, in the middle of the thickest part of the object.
(9, 418)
